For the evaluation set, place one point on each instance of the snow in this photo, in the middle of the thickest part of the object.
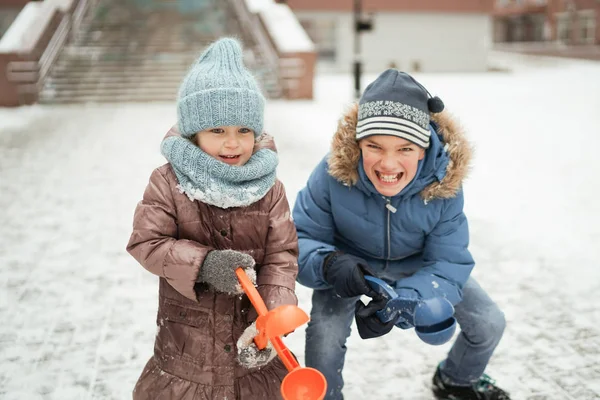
(30, 23)
(255, 6)
(13, 39)
(283, 26)
(79, 313)
(285, 30)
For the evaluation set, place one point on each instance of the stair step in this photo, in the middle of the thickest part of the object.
(116, 56)
(118, 76)
(160, 51)
(150, 83)
(142, 43)
(124, 86)
(108, 78)
(115, 65)
(108, 97)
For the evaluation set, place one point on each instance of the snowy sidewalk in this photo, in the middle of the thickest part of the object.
(78, 312)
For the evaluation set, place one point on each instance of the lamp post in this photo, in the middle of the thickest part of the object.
(360, 24)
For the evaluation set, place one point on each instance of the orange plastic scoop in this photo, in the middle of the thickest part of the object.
(301, 383)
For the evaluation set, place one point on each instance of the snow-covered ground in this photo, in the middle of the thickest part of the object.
(77, 313)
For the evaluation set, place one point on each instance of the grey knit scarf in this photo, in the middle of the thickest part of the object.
(211, 181)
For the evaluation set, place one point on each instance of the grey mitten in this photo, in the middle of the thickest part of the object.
(218, 270)
(249, 356)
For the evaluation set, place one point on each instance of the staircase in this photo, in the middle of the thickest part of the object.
(140, 50)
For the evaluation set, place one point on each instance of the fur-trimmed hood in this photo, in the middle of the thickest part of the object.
(344, 156)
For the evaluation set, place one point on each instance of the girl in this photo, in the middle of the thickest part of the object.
(215, 206)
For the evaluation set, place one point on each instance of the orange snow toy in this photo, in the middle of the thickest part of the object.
(301, 383)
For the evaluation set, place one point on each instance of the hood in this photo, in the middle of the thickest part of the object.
(344, 157)
(264, 141)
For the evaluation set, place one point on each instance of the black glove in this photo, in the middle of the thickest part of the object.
(346, 273)
(368, 323)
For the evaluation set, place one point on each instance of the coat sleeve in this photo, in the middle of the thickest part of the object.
(315, 226)
(154, 244)
(276, 278)
(447, 260)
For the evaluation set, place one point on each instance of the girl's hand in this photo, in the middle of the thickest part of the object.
(218, 270)
(249, 356)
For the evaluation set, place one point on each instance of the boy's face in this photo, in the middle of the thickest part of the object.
(390, 162)
(231, 144)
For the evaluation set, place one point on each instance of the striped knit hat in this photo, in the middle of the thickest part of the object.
(396, 104)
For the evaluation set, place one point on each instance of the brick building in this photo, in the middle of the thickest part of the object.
(425, 35)
(568, 22)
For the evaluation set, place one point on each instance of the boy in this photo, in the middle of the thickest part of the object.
(387, 201)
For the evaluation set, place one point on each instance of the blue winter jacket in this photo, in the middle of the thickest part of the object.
(420, 242)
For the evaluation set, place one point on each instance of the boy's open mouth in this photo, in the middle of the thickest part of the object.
(389, 179)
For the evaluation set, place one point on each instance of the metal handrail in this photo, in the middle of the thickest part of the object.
(54, 47)
(80, 12)
(252, 26)
(30, 75)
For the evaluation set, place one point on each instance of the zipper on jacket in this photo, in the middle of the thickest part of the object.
(388, 244)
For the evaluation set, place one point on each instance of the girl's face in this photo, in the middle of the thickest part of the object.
(390, 162)
(231, 144)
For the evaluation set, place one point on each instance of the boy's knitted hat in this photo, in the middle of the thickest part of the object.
(219, 91)
(396, 104)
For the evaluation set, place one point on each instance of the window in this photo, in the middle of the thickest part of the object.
(563, 28)
(517, 29)
(323, 33)
(587, 26)
(537, 22)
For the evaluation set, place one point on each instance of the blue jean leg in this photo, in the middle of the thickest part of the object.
(482, 324)
(326, 334)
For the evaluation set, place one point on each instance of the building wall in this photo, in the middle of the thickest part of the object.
(429, 42)
(562, 21)
(476, 6)
(576, 9)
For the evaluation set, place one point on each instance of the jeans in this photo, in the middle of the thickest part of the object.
(481, 322)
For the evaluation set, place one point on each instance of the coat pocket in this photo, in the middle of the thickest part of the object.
(183, 333)
(174, 312)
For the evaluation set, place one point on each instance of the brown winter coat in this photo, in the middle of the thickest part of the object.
(195, 348)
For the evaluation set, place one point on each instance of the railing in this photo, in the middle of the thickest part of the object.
(29, 76)
(252, 27)
(80, 12)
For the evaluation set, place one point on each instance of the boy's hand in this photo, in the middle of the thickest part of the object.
(249, 356)
(368, 323)
(218, 270)
(345, 273)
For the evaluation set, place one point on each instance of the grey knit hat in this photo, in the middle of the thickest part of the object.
(219, 91)
(396, 104)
